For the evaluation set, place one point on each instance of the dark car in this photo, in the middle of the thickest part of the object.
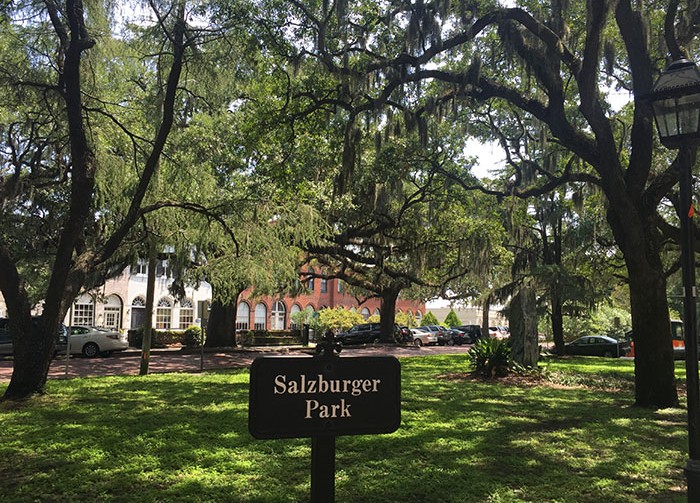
(360, 334)
(467, 334)
(597, 345)
(446, 337)
(6, 347)
(402, 333)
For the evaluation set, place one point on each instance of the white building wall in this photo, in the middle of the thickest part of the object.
(468, 315)
(115, 300)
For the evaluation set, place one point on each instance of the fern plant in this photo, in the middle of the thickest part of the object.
(490, 357)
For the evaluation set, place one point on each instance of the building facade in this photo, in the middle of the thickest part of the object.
(121, 304)
(268, 313)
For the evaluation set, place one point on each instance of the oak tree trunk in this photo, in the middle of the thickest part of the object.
(221, 327)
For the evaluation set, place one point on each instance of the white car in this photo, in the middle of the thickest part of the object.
(94, 341)
(421, 337)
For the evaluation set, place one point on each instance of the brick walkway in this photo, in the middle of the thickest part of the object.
(163, 361)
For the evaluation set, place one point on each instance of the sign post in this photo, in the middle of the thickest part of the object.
(323, 397)
(322, 469)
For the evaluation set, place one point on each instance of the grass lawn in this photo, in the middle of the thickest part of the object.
(184, 438)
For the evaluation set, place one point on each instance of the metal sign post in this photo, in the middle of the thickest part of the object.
(323, 447)
(322, 469)
(323, 397)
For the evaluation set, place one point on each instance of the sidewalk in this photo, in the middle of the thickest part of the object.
(128, 362)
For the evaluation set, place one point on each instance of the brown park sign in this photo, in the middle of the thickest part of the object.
(306, 397)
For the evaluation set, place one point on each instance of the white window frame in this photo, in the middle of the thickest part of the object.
(260, 320)
(164, 314)
(186, 313)
(83, 312)
(279, 316)
(243, 316)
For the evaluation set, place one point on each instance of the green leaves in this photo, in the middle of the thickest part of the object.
(490, 357)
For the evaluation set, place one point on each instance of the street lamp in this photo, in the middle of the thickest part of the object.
(675, 99)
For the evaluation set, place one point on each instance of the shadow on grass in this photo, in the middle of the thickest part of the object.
(185, 438)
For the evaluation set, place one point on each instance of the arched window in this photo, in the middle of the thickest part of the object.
(260, 317)
(279, 316)
(377, 312)
(186, 313)
(365, 313)
(243, 316)
(296, 308)
(138, 312)
(84, 311)
(419, 317)
(164, 314)
(113, 312)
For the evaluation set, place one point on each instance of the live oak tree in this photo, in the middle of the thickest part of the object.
(549, 67)
(400, 229)
(396, 222)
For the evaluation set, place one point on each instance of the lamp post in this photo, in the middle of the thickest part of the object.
(675, 99)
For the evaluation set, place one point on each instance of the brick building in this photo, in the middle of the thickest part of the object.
(267, 313)
(121, 304)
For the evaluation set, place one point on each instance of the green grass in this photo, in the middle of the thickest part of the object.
(184, 438)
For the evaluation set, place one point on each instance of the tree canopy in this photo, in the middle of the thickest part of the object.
(359, 112)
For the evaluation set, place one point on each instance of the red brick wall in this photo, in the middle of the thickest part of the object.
(318, 300)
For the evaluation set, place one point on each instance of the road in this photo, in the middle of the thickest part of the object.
(169, 360)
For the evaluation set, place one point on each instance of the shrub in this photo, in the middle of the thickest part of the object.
(168, 337)
(135, 337)
(429, 319)
(490, 357)
(192, 336)
(245, 337)
(452, 320)
(405, 319)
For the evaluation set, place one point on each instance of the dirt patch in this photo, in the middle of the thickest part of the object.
(511, 379)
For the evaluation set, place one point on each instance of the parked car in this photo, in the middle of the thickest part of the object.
(360, 334)
(597, 345)
(435, 329)
(95, 341)
(6, 347)
(423, 337)
(443, 337)
(446, 337)
(402, 333)
(498, 332)
(467, 334)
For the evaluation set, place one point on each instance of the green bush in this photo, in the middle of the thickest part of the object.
(135, 337)
(429, 319)
(192, 336)
(490, 357)
(452, 320)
